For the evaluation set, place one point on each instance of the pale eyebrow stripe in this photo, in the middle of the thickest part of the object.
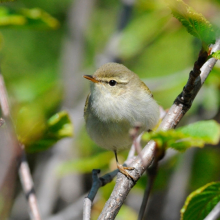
(105, 81)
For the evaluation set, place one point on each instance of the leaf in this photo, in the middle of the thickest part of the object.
(194, 135)
(195, 23)
(86, 165)
(200, 202)
(57, 127)
(215, 55)
(208, 131)
(30, 18)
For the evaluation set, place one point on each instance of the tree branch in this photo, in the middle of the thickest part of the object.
(173, 117)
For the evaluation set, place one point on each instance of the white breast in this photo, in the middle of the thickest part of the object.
(110, 119)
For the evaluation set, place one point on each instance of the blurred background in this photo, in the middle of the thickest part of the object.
(43, 61)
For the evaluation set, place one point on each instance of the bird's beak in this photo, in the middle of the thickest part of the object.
(91, 78)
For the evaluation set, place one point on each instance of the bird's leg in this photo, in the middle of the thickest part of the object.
(123, 169)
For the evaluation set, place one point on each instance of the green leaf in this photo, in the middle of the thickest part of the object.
(195, 23)
(194, 135)
(86, 165)
(30, 18)
(215, 55)
(208, 131)
(200, 202)
(57, 127)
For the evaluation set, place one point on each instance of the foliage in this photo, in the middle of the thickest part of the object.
(215, 55)
(200, 202)
(56, 128)
(29, 18)
(152, 45)
(195, 23)
(194, 135)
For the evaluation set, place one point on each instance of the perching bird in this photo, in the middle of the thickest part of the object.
(118, 100)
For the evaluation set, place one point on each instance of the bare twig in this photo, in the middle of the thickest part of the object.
(134, 134)
(23, 168)
(3, 98)
(96, 184)
(28, 187)
(214, 214)
(87, 209)
(152, 172)
(8, 170)
(73, 211)
(2, 121)
(175, 114)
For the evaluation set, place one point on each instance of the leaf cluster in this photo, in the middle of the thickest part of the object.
(195, 23)
(200, 202)
(27, 18)
(57, 127)
(193, 135)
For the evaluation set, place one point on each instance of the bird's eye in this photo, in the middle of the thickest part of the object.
(112, 82)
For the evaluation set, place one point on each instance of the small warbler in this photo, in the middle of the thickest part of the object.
(118, 100)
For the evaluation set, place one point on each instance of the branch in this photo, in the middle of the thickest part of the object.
(171, 120)
(28, 186)
(23, 167)
(73, 211)
(152, 172)
(214, 214)
(96, 184)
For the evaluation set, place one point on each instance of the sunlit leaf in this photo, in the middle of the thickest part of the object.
(57, 127)
(208, 131)
(200, 202)
(215, 55)
(194, 135)
(29, 18)
(195, 23)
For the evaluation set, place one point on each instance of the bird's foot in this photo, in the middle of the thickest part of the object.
(123, 170)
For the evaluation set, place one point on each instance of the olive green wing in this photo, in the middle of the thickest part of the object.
(86, 106)
(146, 88)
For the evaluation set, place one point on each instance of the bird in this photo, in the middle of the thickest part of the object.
(118, 100)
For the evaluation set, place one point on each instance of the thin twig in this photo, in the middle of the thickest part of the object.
(151, 172)
(134, 134)
(214, 214)
(173, 117)
(3, 98)
(2, 121)
(28, 187)
(96, 184)
(72, 211)
(24, 172)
